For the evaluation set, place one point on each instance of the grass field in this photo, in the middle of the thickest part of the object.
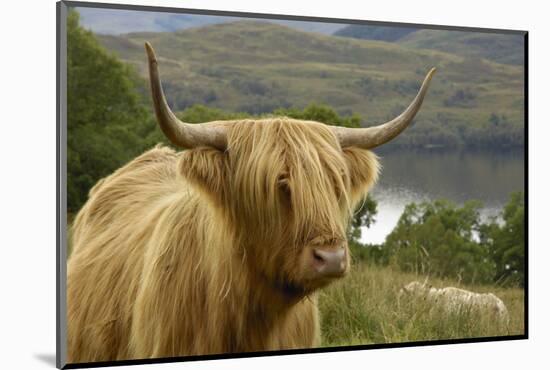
(363, 308)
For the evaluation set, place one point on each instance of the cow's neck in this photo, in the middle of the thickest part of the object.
(260, 310)
(252, 309)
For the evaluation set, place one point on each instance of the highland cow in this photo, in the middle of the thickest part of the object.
(221, 247)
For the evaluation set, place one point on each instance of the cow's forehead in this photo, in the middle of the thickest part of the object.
(263, 152)
(281, 123)
(278, 120)
(277, 133)
(293, 147)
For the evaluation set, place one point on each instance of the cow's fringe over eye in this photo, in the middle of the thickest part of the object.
(316, 179)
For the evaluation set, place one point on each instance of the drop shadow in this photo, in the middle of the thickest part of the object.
(47, 358)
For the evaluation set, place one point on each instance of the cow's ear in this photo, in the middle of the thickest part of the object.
(363, 169)
(206, 169)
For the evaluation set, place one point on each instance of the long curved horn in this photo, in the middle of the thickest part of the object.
(213, 134)
(371, 137)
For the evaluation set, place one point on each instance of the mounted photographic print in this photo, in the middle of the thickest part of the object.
(236, 184)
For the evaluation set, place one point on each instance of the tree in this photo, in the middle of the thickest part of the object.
(440, 238)
(106, 117)
(362, 217)
(507, 242)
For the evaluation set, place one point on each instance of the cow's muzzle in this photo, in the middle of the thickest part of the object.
(329, 262)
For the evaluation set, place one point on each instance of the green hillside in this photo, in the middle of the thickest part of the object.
(506, 49)
(370, 32)
(256, 67)
(499, 48)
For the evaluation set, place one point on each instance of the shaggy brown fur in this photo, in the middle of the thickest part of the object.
(202, 251)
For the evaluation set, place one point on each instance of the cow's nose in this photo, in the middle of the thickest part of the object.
(329, 262)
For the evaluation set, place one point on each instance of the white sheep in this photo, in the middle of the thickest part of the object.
(454, 299)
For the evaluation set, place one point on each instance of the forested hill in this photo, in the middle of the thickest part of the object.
(500, 48)
(257, 67)
(371, 32)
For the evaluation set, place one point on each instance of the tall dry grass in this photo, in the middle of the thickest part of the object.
(364, 308)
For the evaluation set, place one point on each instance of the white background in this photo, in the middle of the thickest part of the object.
(27, 181)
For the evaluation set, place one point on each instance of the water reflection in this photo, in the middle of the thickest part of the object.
(416, 176)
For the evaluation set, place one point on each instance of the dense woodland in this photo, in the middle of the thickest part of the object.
(110, 122)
